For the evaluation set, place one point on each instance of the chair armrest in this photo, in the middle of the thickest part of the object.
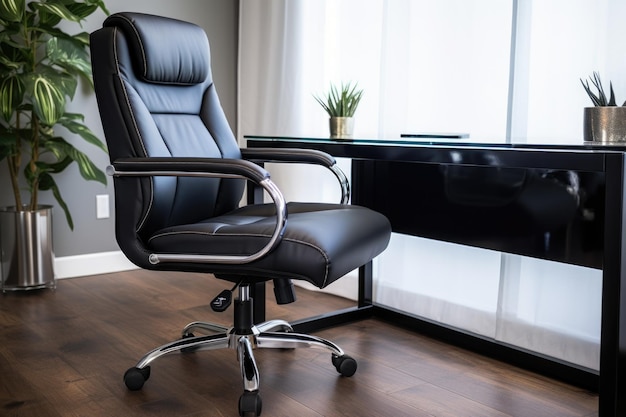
(309, 156)
(188, 167)
(302, 156)
(208, 168)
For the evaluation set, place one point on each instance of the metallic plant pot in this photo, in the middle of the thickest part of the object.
(605, 125)
(341, 127)
(26, 253)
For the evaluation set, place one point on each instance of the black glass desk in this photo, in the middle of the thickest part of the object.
(563, 203)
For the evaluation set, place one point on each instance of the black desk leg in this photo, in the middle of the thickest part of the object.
(365, 285)
(363, 176)
(613, 333)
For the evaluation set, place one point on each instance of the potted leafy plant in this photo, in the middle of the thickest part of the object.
(341, 103)
(605, 122)
(40, 66)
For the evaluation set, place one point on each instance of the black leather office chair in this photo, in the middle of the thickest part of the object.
(179, 177)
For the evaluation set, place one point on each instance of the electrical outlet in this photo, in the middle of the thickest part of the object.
(102, 206)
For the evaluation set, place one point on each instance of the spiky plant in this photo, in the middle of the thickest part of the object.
(341, 102)
(39, 69)
(599, 97)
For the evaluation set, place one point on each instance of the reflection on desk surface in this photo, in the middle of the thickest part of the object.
(534, 212)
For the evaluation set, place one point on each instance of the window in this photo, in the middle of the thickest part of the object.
(496, 69)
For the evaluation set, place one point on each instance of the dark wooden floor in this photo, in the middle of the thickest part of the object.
(63, 353)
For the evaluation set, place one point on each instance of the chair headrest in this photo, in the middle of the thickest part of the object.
(164, 50)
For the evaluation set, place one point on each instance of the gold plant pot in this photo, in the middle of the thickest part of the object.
(341, 127)
(605, 125)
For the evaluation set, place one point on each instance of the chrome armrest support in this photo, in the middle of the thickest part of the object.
(219, 168)
(343, 183)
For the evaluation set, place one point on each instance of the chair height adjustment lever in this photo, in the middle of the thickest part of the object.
(284, 291)
(222, 301)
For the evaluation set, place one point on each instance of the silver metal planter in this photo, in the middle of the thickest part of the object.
(341, 127)
(605, 125)
(26, 255)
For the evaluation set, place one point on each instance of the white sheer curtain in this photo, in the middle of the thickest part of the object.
(442, 66)
(412, 58)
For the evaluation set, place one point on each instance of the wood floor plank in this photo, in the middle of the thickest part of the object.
(64, 352)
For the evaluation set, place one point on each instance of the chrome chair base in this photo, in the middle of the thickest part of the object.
(272, 334)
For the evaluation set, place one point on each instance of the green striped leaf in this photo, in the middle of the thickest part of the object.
(62, 149)
(58, 9)
(48, 99)
(70, 123)
(11, 94)
(12, 10)
(70, 55)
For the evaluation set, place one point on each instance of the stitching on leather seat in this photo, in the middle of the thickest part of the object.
(253, 235)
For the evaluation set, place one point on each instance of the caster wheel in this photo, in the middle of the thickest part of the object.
(250, 404)
(345, 365)
(134, 378)
(188, 349)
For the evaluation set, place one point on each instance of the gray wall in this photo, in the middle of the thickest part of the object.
(220, 20)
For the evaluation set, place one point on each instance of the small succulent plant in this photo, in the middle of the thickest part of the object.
(342, 101)
(599, 98)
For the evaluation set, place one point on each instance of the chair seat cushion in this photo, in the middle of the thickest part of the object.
(321, 243)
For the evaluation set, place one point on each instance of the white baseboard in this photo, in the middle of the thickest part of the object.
(91, 264)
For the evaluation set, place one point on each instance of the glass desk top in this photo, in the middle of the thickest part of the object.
(446, 140)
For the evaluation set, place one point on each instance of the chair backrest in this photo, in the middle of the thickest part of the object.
(156, 98)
